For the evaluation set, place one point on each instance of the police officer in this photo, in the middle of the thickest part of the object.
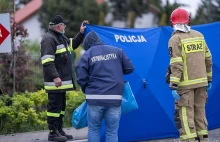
(190, 78)
(57, 71)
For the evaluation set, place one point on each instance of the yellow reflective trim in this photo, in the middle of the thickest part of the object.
(174, 79)
(202, 132)
(209, 74)
(62, 112)
(58, 88)
(194, 46)
(208, 54)
(185, 74)
(177, 59)
(61, 50)
(71, 43)
(185, 121)
(53, 114)
(191, 45)
(189, 136)
(70, 49)
(194, 81)
(47, 60)
(192, 39)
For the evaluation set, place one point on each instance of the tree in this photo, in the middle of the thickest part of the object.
(166, 10)
(208, 11)
(4, 6)
(18, 59)
(24, 1)
(21, 3)
(21, 72)
(73, 10)
(128, 10)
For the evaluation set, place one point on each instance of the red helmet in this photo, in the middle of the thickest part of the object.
(179, 16)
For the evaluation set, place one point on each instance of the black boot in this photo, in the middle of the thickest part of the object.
(204, 138)
(197, 139)
(69, 137)
(56, 136)
(60, 129)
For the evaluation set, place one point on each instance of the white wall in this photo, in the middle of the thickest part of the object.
(35, 32)
(146, 21)
(33, 26)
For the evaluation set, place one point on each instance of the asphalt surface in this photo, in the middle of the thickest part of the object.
(81, 136)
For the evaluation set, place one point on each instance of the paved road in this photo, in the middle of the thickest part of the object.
(80, 136)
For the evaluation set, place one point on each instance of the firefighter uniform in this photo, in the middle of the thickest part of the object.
(57, 62)
(191, 70)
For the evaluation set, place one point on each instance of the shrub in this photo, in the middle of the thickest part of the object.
(27, 111)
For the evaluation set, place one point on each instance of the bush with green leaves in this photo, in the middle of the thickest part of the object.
(26, 112)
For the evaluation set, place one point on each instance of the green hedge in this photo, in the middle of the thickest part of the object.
(27, 111)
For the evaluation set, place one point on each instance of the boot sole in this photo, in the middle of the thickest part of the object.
(69, 138)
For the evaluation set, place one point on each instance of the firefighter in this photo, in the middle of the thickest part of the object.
(57, 71)
(190, 78)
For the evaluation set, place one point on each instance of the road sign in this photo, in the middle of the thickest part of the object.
(5, 33)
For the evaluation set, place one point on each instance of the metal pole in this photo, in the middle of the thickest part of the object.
(14, 52)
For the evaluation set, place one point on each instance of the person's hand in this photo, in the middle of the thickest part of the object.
(82, 28)
(57, 82)
(175, 95)
(209, 86)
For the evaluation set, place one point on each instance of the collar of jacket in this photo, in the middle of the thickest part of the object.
(58, 35)
(54, 32)
(181, 27)
(174, 32)
(98, 43)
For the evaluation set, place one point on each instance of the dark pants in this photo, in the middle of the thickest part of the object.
(55, 110)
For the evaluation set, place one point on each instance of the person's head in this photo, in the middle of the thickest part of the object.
(90, 40)
(58, 24)
(180, 16)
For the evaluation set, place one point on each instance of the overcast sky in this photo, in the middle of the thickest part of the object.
(193, 5)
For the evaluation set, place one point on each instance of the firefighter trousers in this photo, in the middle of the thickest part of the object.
(190, 115)
(55, 110)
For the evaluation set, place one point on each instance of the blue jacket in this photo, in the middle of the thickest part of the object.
(100, 72)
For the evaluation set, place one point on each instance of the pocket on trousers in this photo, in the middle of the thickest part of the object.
(64, 58)
(191, 124)
(181, 131)
(184, 99)
(177, 119)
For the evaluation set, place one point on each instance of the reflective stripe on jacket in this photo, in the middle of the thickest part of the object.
(190, 60)
(100, 72)
(56, 60)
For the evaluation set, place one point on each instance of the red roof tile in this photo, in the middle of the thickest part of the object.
(99, 1)
(29, 9)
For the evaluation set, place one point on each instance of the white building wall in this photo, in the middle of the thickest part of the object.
(146, 21)
(34, 28)
(36, 33)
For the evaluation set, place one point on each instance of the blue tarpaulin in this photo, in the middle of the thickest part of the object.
(148, 50)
